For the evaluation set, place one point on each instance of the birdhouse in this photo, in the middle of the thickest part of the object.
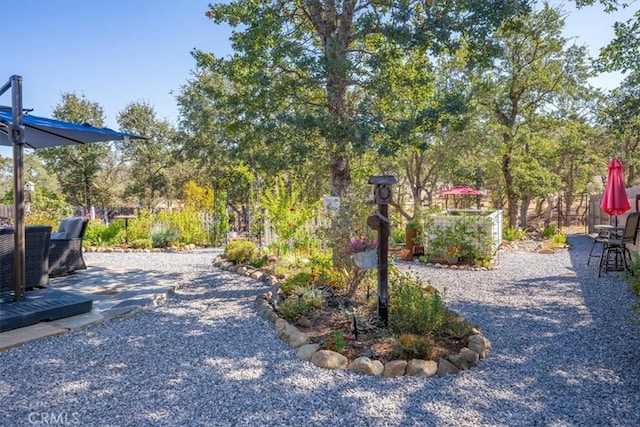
(29, 187)
(382, 194)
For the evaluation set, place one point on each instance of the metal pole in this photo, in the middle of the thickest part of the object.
(17, 138)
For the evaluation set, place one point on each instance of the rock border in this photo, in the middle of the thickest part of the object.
(111, 249)
(467, 358)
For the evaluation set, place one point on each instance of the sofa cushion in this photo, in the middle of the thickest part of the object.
(72, 226)
(60, 235)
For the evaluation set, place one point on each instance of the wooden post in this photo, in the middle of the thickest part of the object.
(382, 197)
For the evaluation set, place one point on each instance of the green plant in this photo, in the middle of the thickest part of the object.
(99, 234)
(142, 244)
(549, 231)
(337, 342)
(456, 326)
(298, 280)
(559, 239)
(260, 261)
(464, 236)
(634, 280)
(398, 235)
(240, 251)
(162, 235)
(413, 309)
(413, 346)
(511, 234)
(302, 302)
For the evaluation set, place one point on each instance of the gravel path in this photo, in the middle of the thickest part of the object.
(565, 353)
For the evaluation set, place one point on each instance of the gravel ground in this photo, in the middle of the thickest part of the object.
(565, 353)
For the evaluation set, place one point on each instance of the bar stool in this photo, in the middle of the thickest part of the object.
(615, 254)
(603, 233)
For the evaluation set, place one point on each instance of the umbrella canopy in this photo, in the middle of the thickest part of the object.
(18, 130)
(40, 132)
(461, 190)
(614, 200)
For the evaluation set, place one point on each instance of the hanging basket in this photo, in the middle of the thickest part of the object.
(366, 260)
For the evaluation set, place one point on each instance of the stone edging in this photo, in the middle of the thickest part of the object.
(467, 358)
(110, 249)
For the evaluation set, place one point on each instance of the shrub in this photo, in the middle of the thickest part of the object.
(457, 327)
(559, 239)
(259, 262)
(240, 251)
(142, 244)
(301, 303)
(299, 280)
(511, 234)
(413, 346)
(413, 309)
(549, 231)
(99, 234)
(162, 235)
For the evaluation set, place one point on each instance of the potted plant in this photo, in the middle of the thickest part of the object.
(364, 253)
(454, 252)
(414, 232)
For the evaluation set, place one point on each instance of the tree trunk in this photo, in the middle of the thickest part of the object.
(524, 212)
(512, 198)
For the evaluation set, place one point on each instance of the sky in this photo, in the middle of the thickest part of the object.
(115, 52)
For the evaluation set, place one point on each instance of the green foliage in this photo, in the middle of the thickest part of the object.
(398, 235)
(259, 261)
(511, 234)
(299, 280)
(240, 251)
(163, 235)
(99, 234)
(559, 239)
(466, 233)
(150, 158)
(456, 326)
(413, 309)
(142, 244)
(48, 208)
(302, 302)
(634, 280)
(336, 342)
(287, 208)
(78, 167)
(414, 346)
(549, 231)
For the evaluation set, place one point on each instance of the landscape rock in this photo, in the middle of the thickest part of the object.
(460, 362)
(329, 359)
(445, 367)
(366, 366)
(297, 339)
(280, 324)
(305, 352)
(422, 368)
(477, 344)
(394, 368)
(470, 356)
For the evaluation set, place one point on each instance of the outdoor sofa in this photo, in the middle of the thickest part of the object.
(65, 249)
(36, 257)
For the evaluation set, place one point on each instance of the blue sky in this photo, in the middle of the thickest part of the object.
(120, 51)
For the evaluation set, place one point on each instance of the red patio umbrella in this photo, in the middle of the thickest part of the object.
(461, 190)
(614, 200)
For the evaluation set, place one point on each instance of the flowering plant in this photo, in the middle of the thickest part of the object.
(360, 245)
(454, 250)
